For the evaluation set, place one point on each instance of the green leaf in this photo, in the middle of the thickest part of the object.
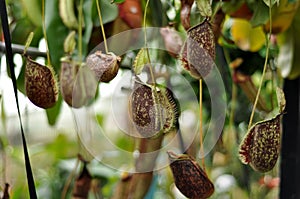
(21, 30)
(56, 32)
(204, 8)
(67, 147)
(3, 115)
(53, 113)
(229, 7)
(159, 17)
(260, 15)
(286, 52)
(140, 61)
(289, 44)
(109, 12)
(117, 1)
(21, 79)
(88, 21)
(123, 143)
(100, 119)
(34, 11)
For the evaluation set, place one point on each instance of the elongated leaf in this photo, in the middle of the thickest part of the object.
(10, 63)
(289, 42)
(159, 17)
(53, 113)
(56, 32)
(21, 79)
(260, 15)
(140, 61)
(34, 11)
(286, 52)
(21, 30)
(117, 1)
(88, 21)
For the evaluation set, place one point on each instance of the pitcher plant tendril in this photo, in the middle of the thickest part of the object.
(45, 34)
(149, 61)
(80, 15)
(146, 44)
(264, 69)
(201, 123)
(102, 27)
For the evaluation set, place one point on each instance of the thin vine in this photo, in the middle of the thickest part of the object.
(150, 64)
(45, 34)
(264, 69)
(69, 180)
(102, 27)
(201, 122)
(80, 15)
(146, 44)
(233, 105)
(73, 172)
(80, 150)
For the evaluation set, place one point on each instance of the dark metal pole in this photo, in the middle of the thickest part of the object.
(16, 48)
(290, 153)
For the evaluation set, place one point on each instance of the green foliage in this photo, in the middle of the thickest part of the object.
(117, 1)
(140, 61)
(33, 10)
(109, 12)
(260, 15)
(56, 32)
(204, 8)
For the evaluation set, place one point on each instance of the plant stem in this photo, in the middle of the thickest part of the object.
(272, 89)
(156, 98)
(233, 104)
(144, 22)
(72, 174)
(45, 35)
(69, 180)
(201, 123)
(264, 70)
(102, 27)
(146, 44)
(80, 30)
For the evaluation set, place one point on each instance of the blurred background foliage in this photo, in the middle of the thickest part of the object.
(240, 58)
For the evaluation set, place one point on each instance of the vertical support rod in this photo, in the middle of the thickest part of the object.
(290, 164)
